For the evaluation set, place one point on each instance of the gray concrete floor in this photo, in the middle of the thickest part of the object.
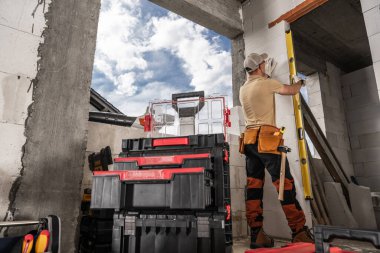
(241, 245)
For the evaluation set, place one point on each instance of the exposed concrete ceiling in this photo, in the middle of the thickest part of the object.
(334, 32)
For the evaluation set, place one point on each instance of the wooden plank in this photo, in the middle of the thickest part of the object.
(297, 12)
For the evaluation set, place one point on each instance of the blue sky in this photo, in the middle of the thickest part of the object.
(144, 53)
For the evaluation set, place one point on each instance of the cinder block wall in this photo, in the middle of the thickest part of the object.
(363, 117)
(335, 118)
(101, 135)
(18, 67)
(371, 12)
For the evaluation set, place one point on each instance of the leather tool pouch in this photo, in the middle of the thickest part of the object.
(269, 140)
(241, 143)
(248, 137)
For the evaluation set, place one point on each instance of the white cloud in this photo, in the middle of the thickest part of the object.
(126, 34)
(125, 84)
(208, 65)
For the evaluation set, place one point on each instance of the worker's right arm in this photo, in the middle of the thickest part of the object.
(290, 89)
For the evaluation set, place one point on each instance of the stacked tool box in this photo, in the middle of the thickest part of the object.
(169, 195)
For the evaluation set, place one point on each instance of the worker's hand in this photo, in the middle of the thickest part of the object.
(270, 65)
(298, 81)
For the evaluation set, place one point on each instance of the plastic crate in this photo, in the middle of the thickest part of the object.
(169, 234)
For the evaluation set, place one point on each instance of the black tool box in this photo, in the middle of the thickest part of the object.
(169, 194)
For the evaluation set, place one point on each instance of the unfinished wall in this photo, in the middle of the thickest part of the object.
(101, 135)
(258, 38)
(56, 126)
(335, 118)
(371, 12)
(363, 118)
(21, 26)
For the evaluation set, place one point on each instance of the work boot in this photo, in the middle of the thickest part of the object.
(259, 239)
(303, 235)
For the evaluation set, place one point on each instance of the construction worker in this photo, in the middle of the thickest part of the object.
(260, 143)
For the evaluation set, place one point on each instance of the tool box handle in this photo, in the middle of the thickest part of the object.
(190, 111)
(324, 234)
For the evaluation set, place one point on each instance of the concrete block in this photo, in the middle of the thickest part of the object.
(359, 169)
(239, 225)
(357, 77)
(363, 113)
(238, 200)
(238, 177)
(372, 182)
(369, 4)
(366, 155)
(346, 92)
(15, 97)
(374, 42)
(317, 111)
(101, 135)
(339, 212)
(354, 142)
(362, 207)
(18, 14)
(358, 102)
(372, 21)
(12, 140)
(368, 169)
(236, 158)
(315, 99)
(276, 225)
(19, 52)
(233, 139)
(313, 84)
(364, 127)
(371, 140)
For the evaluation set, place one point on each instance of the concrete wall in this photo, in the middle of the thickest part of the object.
(21, 26)
(259, 38)
(363, 118)
(335, 118)
(47, 170)
(101, 135)
(371, 12)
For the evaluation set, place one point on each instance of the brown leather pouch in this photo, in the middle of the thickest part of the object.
(250, 136)
(269, 140)
(241, 143)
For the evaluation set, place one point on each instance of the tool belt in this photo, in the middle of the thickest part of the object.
(269, 138)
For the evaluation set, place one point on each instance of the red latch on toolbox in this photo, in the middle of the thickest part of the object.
(147, 123)
(171, 142)
(161, 160)
(228, 212)
(144, 175)
(227, 121)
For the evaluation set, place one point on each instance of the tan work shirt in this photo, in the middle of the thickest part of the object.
(257, 97)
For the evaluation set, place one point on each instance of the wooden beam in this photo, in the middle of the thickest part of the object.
(297, 12)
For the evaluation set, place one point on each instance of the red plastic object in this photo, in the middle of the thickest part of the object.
(171, 142)
(295, 248)
(147, 123)
(226, 158)
(227, 113)
(228, 209)
(143, 175)
(161, 160)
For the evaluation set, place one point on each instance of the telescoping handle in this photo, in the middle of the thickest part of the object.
(324, 234)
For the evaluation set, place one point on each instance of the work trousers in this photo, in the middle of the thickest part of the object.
(255, 165)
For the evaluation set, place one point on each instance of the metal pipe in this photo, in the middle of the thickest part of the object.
(19, 223)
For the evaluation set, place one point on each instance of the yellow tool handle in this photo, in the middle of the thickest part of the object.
(282, 177)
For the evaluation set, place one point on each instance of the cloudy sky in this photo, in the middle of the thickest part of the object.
(145, 52)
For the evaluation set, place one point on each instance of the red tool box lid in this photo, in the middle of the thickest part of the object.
(295, 248)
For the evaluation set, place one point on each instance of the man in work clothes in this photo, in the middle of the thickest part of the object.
(257, 97)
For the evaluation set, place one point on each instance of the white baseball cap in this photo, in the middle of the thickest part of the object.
(253, 60)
